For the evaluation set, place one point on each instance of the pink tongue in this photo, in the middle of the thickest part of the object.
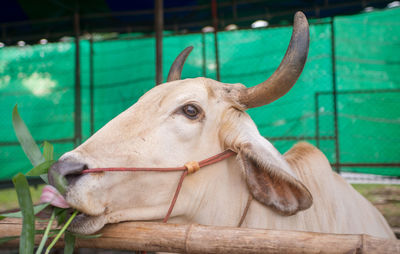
(52, 196)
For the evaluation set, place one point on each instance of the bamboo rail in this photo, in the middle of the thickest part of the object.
(195, 238)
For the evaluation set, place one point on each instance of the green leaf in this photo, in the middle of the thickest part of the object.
(69, 240)
(26, 140)
(46, 234)
(42, 231)
(36, 210)
(61, 215)
(7, 238)
(45, 178)
(86, 236)
(51, 245)
(59, 182)
(40, 169)
(27, 241)
(48, 151)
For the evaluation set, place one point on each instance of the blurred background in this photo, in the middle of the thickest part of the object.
(71, 66)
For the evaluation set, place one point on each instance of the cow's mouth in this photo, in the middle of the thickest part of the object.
(83, 223)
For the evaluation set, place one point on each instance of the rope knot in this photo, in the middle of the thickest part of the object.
(192, 166)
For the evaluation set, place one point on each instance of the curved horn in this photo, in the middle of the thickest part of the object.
(283, 79)
(177, 66)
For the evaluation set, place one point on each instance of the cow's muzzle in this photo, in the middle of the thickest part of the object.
(64, 173)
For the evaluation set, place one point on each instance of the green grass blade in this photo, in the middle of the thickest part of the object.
(26, 140)
(46, 234)
(51, 245)
(27, 241)
(69, 240)
(86, 236)
(41, 231)
(7, 238)
(36, 209)
(40, 169)
(48, 151)
(60, 182)
(61, 215)
(45, 178)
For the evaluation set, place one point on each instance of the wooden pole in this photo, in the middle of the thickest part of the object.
(214, 11)
(159, 27)
(91, 84)
(194, 238)
(335, 99)
(77, 87)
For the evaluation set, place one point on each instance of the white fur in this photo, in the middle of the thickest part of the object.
(154, 133)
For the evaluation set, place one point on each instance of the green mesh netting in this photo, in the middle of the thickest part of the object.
(40, 79)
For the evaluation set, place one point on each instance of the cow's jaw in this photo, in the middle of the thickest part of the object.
(109, 200)
(86, 224)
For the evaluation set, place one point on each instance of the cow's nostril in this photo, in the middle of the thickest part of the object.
(68, 169)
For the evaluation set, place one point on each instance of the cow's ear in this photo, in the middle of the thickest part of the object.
(269, 177)
(271, 184)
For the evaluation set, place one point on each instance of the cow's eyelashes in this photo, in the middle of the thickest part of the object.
(191, 111)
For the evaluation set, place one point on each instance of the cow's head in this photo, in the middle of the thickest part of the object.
(180, 121)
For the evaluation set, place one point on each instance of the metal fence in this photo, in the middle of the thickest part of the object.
(345, 102)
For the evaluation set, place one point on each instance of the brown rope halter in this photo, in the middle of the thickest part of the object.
(188, 168)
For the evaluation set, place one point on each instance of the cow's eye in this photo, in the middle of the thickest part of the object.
(191, 111)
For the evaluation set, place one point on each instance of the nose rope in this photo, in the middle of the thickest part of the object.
(189, 168)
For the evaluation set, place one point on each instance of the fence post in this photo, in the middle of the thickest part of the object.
(77, 98)
(159, 27)
(334, 91)
(91, 85)
(203, 38)
(316, 103)
(214, 9)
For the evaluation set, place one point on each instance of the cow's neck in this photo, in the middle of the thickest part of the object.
(217, 195)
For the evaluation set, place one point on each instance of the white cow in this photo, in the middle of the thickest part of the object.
(193, 119)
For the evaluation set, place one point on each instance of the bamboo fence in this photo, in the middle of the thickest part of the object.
(193, 238)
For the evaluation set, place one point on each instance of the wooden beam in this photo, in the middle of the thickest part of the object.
(214, 12)
(194, 238)
(77, 87)
(159, 27)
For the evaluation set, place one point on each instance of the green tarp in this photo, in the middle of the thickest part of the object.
(40, 79)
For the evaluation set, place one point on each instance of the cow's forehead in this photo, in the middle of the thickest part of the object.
(199, 90)
(181, 91)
